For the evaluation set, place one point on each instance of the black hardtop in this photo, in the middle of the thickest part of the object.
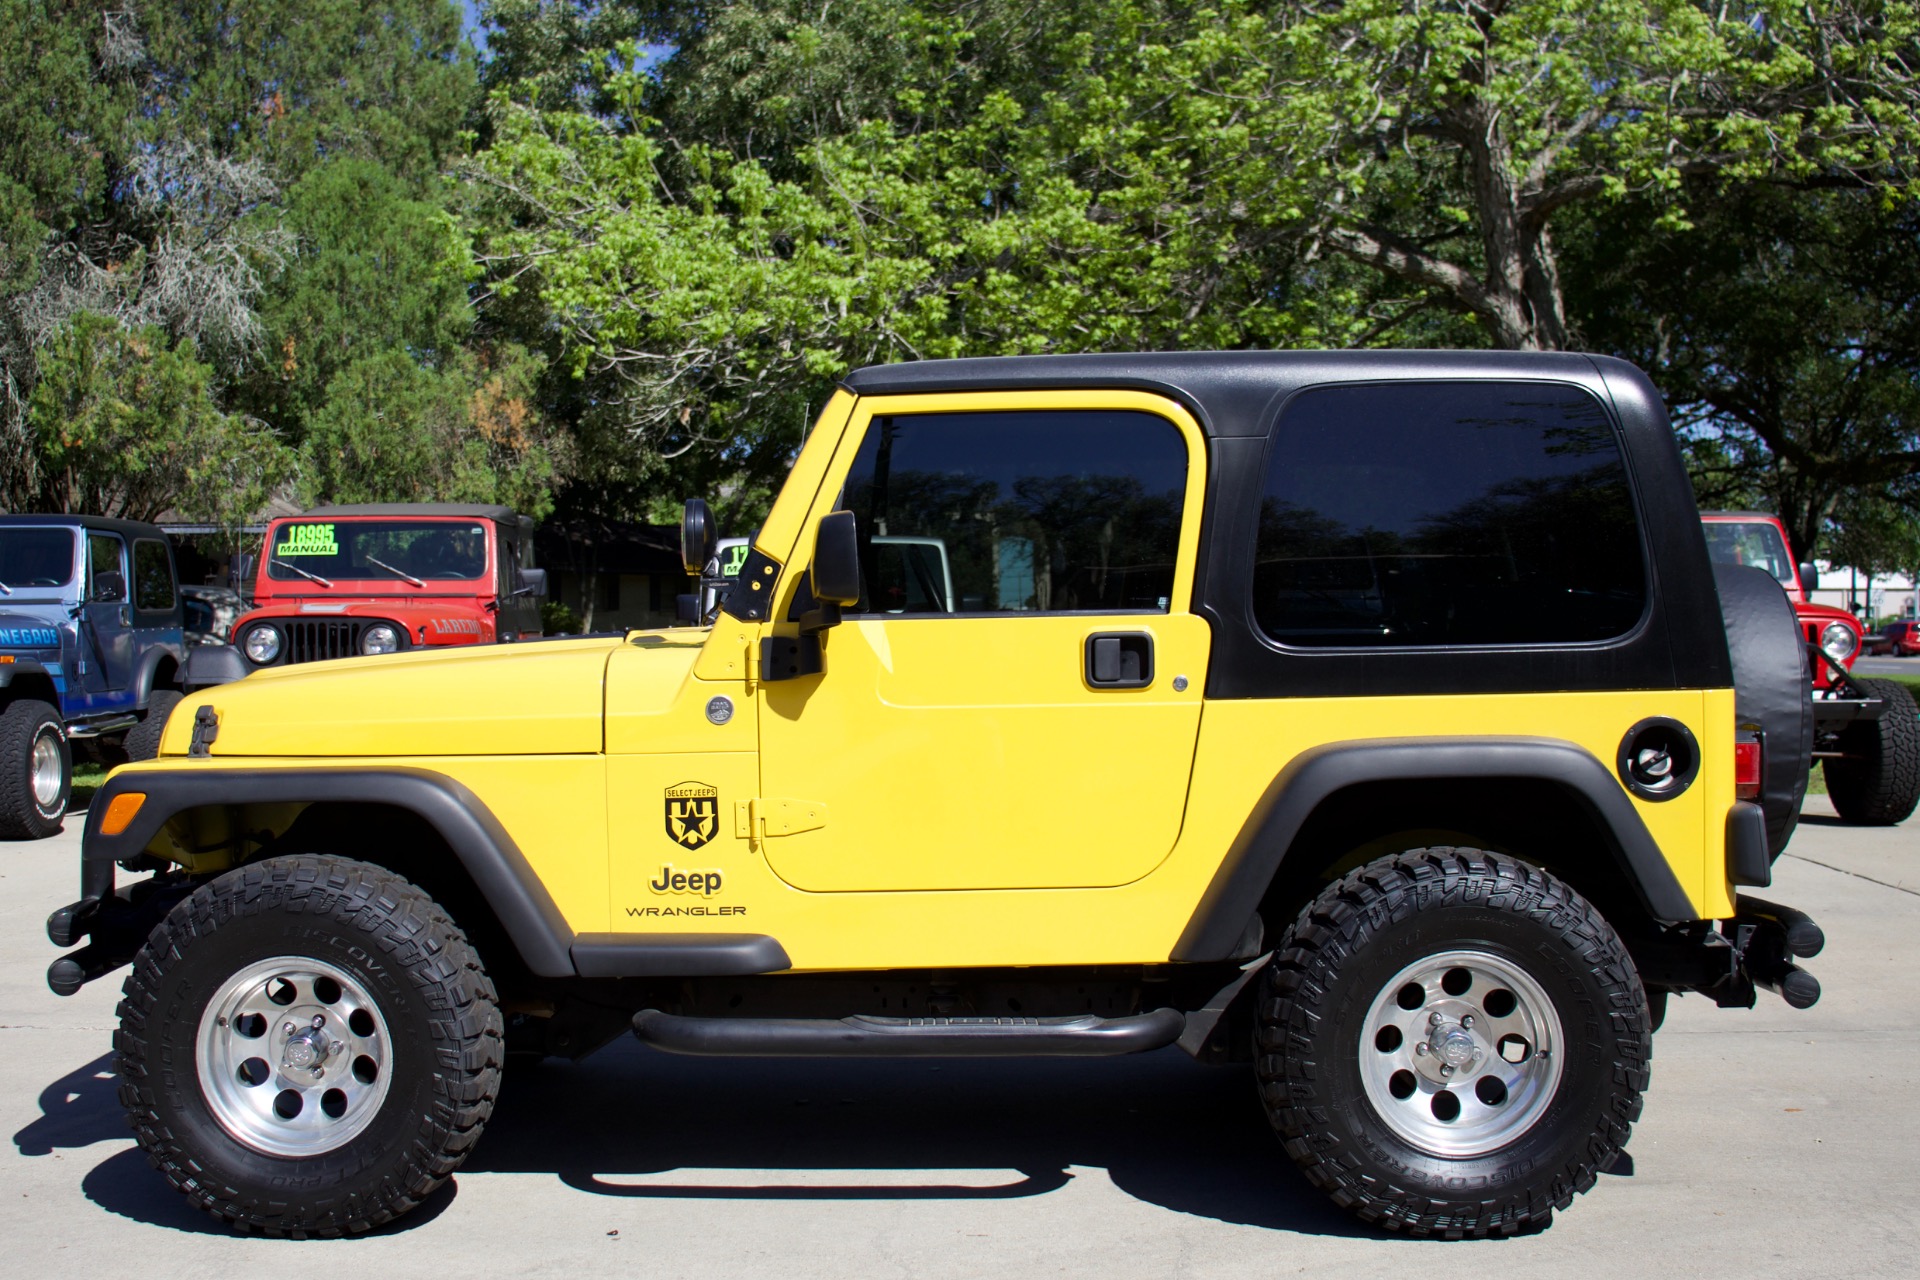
(106, 524)
(458, 510)
(1239, 396)
(1231, 393)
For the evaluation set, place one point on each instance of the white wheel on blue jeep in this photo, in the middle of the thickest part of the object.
(36, 770)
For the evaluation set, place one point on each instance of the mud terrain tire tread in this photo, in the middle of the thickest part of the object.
(1298, 1002)
(1882, 789)
(405, 928)
(20, 816)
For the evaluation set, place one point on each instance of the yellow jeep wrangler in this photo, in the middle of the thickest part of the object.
(1369, 717)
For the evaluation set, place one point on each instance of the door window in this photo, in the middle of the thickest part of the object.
(152, 577)
(103, 557)
(1465, 513)
(1033, 511)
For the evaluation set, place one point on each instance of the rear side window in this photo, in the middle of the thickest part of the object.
(1045, 511)
(1420, 514)
(152, 576)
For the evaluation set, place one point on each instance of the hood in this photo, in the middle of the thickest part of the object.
(1807, 612)
(539, 698)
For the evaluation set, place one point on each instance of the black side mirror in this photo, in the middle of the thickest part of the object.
(1809, 577)
(109, 588)
(532, 582)
(835, 575)
(698, 537)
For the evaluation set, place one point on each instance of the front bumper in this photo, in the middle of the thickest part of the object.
(112, 922)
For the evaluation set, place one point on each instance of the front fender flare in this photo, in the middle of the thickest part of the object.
(1227, 906)
(499, 870)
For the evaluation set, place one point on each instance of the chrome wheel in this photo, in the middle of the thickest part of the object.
(1460, 1053)
(293, 1057)
(46, 771)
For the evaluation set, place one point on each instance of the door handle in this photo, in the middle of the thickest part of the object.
(1119, 659)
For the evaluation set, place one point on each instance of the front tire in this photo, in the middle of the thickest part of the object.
(36, 770)
(308, 1046)
(1452, 1043)
(1878, 784)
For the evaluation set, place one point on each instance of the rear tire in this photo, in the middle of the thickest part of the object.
(143, 740)
(1409, 1115)
(308, 1046)
(1880, 785)
(36, 770)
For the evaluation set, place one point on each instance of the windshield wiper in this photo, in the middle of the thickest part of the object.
(5, 589)
(310, 577)
(390, 569)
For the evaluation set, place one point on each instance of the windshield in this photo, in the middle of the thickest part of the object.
(1753, 542)
(388, 549)
(36, 557)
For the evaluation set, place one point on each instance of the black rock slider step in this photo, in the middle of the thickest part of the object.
(861, 1036)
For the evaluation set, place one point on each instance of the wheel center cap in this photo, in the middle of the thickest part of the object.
(306, 1048)
(1454, 1046)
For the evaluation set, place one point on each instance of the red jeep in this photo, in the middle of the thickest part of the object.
(1866, 734)
(383, 578)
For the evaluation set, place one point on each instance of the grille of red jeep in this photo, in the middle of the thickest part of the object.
(314, 639)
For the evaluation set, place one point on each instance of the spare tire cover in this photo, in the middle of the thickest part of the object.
(1773, 689)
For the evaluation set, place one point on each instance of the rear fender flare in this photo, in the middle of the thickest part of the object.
(1226, 908)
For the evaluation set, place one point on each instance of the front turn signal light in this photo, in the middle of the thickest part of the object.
(120, 813)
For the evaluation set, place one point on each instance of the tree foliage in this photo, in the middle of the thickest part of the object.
(126, 427)
(1784, 328)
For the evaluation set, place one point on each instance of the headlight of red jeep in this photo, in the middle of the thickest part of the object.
(262, 644)
(379, 638)
(1838, 640)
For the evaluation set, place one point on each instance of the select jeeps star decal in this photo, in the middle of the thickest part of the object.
(693, 813)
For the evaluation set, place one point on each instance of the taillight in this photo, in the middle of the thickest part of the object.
(1746, 767)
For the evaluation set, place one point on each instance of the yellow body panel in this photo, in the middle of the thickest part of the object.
(523, 699)
(948, 793)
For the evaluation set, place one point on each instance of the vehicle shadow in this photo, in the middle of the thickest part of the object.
(1168, 1131)
(631, 1122)
(82, 1108)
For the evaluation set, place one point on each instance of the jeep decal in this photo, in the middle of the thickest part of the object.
(693, 813)
(30, 637)
(704, 883)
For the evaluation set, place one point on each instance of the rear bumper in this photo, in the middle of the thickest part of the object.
(1731, 960)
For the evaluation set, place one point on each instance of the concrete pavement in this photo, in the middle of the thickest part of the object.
(1775, 1143)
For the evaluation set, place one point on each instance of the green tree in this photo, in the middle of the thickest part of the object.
(1784, 328)
(394, 430)
(126, 427)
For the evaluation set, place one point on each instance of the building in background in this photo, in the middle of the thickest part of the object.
(1885, 596)
(612, 574)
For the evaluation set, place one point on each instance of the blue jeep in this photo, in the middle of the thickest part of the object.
(90, 654)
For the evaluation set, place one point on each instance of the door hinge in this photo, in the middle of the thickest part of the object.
(759, 819)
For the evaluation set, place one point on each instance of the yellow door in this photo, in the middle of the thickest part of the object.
(1015, 702)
